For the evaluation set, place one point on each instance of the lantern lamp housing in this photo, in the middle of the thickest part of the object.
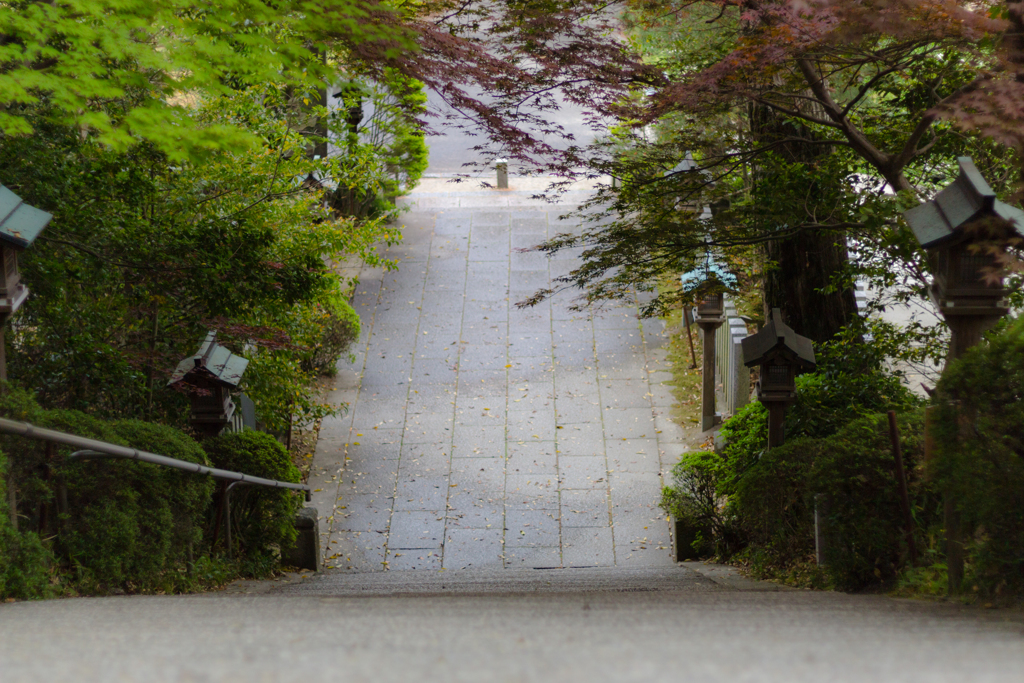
(712, 305)
(211, 375)
(963, 273)
(20, 224)
(780, 353)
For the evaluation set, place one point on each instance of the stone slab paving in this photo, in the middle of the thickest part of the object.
(482, 435)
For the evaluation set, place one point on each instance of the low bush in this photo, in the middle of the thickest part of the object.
(695, 499)
(127, 525)
(24, 561)
(979, 460)
(262, 519)
(104, 525)
(761, 503)
(850, 476)
(340, 329)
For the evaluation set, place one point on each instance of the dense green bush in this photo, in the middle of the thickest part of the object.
(24, 561)
(128, 525)
(341, 327)
(262, 519)
(761, 502)
(695, 499)
(851, 381)
(979, 461)
(851, 477)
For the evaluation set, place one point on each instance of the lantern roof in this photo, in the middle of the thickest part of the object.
(966, 199)
(20, 223)
(211, 362)
(777, 338)
(687, 164)
(710, 271)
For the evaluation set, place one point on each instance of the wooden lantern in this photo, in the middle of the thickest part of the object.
(210, 376)
(965, 277)
(780, 354)
(711, 305)
(708, 284)
(959, 228)
(20, 224)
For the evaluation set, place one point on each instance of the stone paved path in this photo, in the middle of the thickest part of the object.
(482, 435)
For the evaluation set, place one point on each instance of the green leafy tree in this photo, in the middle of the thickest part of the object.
(85, 60)
(145, 254)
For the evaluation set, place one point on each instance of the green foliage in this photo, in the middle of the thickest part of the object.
(340, 327)
(393, 133)
(128, 525)
(760, 503)
(979, 461)
(89, 61)
(262, 519)
(24, 561)
(151, 254)
(850, 477)
(695, 497)
(851, 381)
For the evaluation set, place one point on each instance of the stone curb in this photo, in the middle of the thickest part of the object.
(730, 577)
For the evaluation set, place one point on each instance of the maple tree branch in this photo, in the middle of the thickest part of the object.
(797, 114)
(866, 88)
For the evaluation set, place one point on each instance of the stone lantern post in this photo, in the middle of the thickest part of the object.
(710, 315)
(963, 229)
(780, 353)
(20, 224)
(210, 375)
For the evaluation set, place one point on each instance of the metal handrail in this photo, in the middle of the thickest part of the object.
(91, 448)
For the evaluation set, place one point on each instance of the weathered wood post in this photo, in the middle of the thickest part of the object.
(710, 316)
(964, 229)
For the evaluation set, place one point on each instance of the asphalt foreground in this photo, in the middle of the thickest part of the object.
(603, 624)
(488, 511)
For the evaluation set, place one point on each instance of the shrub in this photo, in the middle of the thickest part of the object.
(24, 561)
(695, 498)
(262, 519)
(837, 446)
(850, 382)
(979, 460)
(851, 477)
(128, 525)
(341, 326)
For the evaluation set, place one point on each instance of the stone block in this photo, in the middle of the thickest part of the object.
(305, 553)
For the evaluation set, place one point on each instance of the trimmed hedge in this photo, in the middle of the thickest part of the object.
(262, 519)
(131, 526)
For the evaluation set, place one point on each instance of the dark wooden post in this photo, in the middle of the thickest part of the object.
(710, 316)
(776, 424)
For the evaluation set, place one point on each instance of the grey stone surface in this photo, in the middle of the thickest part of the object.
(471, 415)
(614, 624)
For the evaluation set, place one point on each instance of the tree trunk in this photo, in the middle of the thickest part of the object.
(801, 268)
(806, 265)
